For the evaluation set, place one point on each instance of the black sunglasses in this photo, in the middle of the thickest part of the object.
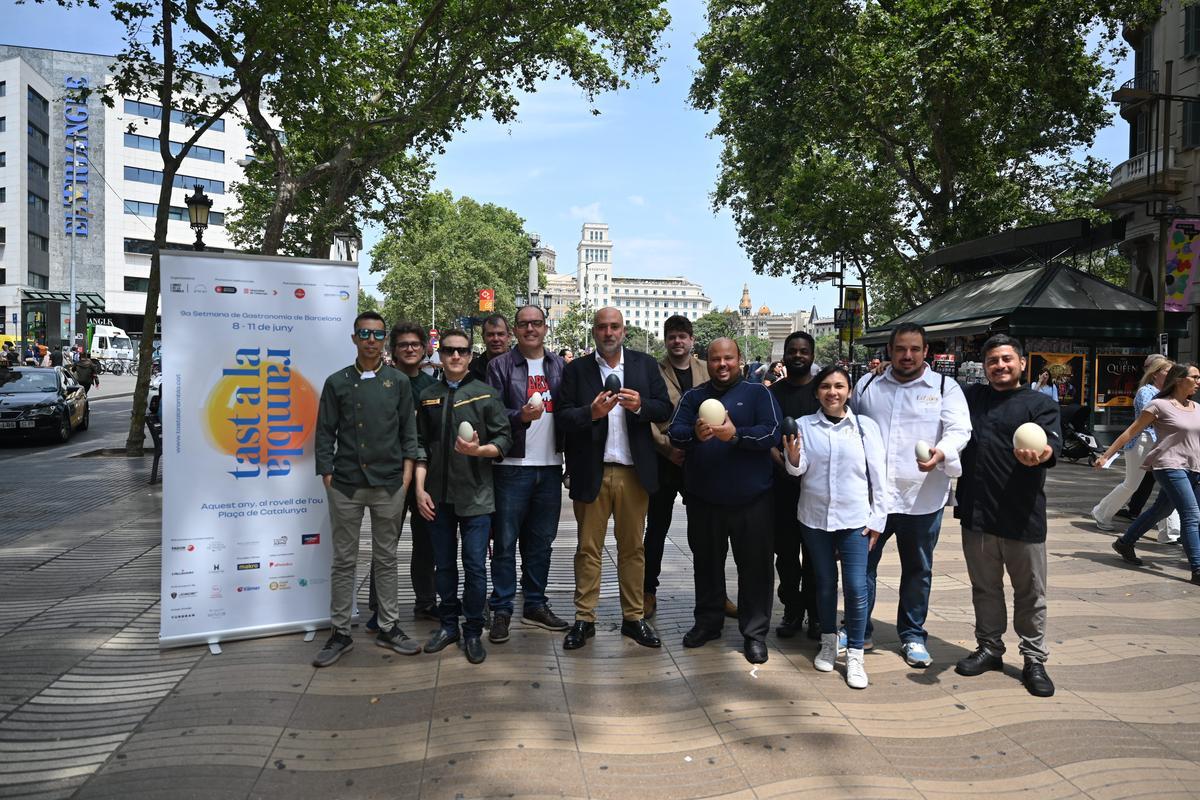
(454, 351)
(367, 333)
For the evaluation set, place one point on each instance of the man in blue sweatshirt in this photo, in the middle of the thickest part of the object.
(727, 479)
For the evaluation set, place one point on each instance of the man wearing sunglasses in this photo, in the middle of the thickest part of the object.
(366, 442)
(454, 488)
(529, 479)
(407, 343)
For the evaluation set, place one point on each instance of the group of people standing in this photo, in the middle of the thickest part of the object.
(797, 478)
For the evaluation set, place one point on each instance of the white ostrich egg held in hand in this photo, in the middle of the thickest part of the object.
(535, 401)
(712, 412)
(466, 430)
(924, 451)
(1029, 436)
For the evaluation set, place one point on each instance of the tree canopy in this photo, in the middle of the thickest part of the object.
(879, 131)
(466, 246)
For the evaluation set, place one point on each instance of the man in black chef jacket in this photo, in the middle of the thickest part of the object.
(1002, 505)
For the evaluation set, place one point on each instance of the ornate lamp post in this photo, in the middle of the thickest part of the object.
(198, 206)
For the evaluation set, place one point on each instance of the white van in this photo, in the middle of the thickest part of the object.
(110, 342)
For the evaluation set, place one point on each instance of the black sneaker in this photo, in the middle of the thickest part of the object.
(499, 630)
(397, 640)
(1036, 681)
(545, 618)
(790, 625)
(1126, 552)
(338, 645)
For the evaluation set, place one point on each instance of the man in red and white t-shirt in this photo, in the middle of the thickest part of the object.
(528, 481)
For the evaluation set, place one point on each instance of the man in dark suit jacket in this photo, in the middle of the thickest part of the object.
(613, 469)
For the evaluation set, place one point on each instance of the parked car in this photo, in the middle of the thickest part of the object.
(36, 400)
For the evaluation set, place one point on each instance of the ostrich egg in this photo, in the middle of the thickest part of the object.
(612, 383)
(466, 430)
(789, 427)
(924, 451)
(535, 401)
(1030, 436)
(712, 412)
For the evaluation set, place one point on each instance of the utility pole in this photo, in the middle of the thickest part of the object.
(433, 303)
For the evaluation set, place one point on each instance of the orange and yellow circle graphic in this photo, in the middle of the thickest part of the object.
(253, 416)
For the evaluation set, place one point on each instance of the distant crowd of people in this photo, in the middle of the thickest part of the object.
(806, 479)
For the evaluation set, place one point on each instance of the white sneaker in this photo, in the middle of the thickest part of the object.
(825, 659)
(856, 673)
(1101, 524)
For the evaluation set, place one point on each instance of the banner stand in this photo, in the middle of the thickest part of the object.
(247, 344)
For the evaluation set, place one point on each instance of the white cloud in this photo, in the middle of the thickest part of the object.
(637, 199)
(588, 213)
(645, 257)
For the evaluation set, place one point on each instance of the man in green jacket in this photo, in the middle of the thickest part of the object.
(454, 487)
(366, 444)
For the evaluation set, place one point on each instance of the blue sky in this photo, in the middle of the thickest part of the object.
(644, 165)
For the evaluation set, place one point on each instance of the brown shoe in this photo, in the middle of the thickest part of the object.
(649, 605)
(731, 609)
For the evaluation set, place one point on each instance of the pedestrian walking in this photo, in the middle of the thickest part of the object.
(528, 481)
(455, 490)
(1002, 506)
(681, 371)
(916, 409)
(797, 398)
(1174, 458)
(1134, 453)
(840, 456)
(86, 372)
(407, 342)
(728, 477)
(366, 444)
(611, 464)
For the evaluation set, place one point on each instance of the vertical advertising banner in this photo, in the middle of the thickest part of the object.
(247, 344)
(1067, 370)
(1117, 377)
(1183, 247)
(854, 301)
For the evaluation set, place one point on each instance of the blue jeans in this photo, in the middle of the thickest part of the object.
(444, 534)
(824, 547)
(916, 536)
(1183, 490)
(528, 504)
(1159, 510)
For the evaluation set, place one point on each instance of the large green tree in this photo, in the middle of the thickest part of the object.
(465, 246)
(714, 325)
(573, 329)
(878, 131)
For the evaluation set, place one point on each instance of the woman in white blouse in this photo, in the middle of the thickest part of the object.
(840, 456)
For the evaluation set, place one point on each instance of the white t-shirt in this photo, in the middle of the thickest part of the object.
(539, 436)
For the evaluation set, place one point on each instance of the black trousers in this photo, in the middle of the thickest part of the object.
(797, 582)
(658, 520)
(420, 567)
(1138, 501)
(747, 527)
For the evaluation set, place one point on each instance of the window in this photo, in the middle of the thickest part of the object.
(1191, 124)
(150, 143)
(36, 101)
(3, 159)
(3, 124)
(3, 273)
(151, 111)
(37, 242)
(3, 88)
(140, 209)
(3, 194)
(133, 284)
(39, 281)
(38, 135)
(1191, 31)
(39, 203)
(185, 182)
(38, 170)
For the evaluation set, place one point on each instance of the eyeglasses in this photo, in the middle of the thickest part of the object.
(530, 323)
(454, 351)
(408, 345)
(367, 333)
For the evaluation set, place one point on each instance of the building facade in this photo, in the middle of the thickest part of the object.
(644, 302)
(1160, 180)
(79, 185)
(766, 324)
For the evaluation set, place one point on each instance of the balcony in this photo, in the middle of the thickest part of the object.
(1143, 178)
(1136, 93)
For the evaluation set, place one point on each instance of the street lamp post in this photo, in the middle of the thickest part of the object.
(198, 206)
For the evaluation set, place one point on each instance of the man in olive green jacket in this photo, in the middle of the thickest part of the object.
(454, 487)
(366, 444)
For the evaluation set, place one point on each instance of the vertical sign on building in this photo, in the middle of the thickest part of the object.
(487, 300)
(75, 158)
(1183, 247)
(247, 344)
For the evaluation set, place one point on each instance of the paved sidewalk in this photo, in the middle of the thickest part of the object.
(89, 706)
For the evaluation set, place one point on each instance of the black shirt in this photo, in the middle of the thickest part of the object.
(998, 494)
(795, 401)
(683, 377)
